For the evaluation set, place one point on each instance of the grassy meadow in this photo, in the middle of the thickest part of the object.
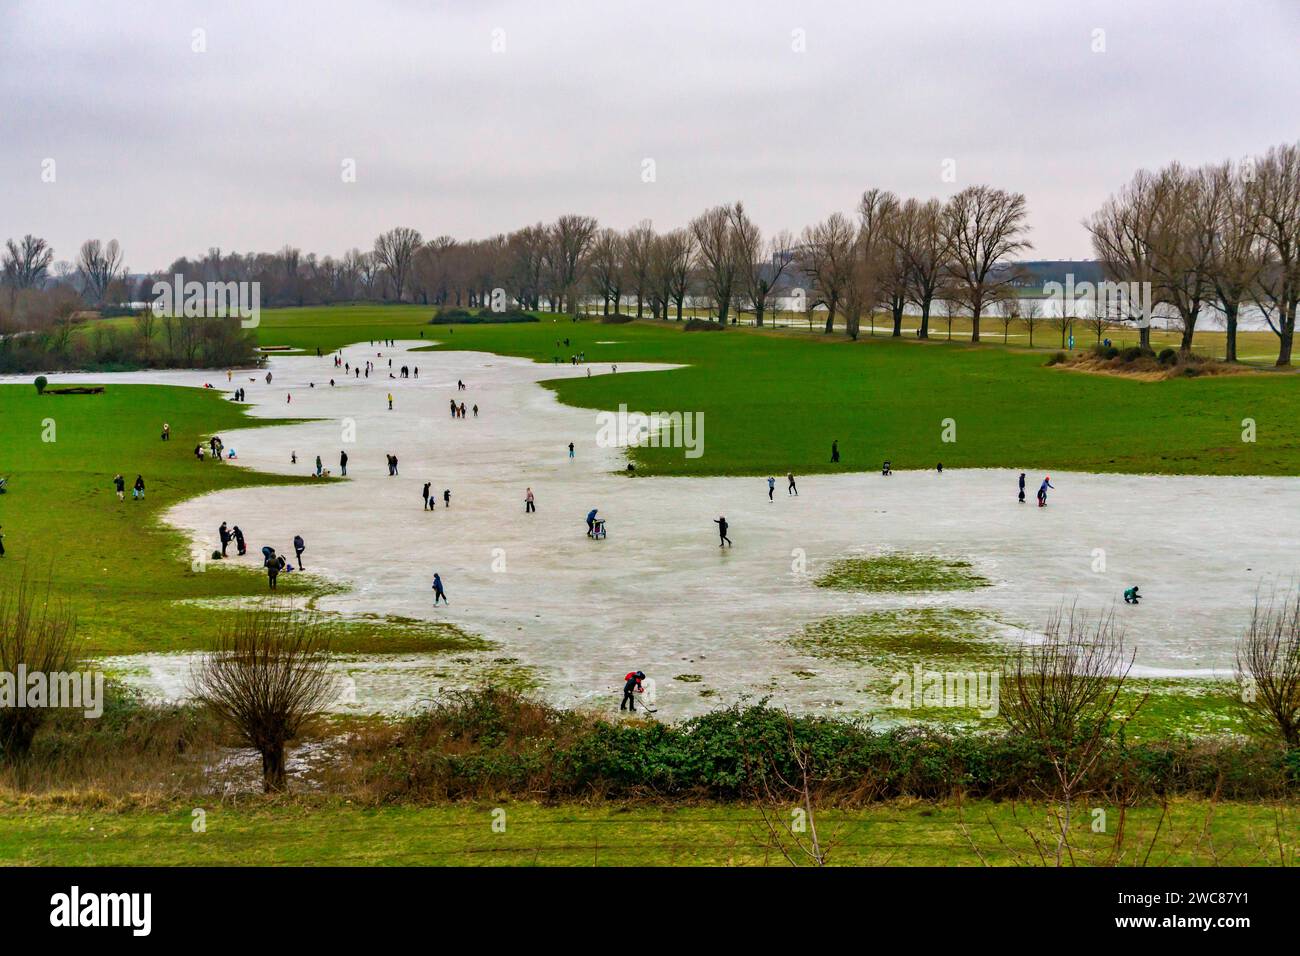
(911, 833)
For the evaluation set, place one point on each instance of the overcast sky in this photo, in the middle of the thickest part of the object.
(243, 146)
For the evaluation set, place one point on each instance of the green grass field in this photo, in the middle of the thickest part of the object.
(295, 833)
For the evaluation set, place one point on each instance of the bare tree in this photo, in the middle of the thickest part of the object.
(718, 254)
(99, 265)
(894, 275)
(1008, 311)
(762, 265)
(1268, 668)
(568, 240)
(1274, 194)
(678, 251)
(1235, 252)
(921, 239)
(1031, 314)
(1183, 245)
(1123, 234)
(638, 252)
(984, 227)
(870, 279)
(26, 264)
(36, 635)
(1062, 694)
(606, 268)
(268, 678)
(826, 256)
(394, 251)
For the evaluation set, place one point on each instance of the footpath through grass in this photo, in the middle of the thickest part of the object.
(774, 401)
(1192, 833)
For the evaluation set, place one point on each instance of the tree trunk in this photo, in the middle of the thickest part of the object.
(1286, 335)
(1230, 346)
(898, 321)
(924, 331)
(273, 774)
(975, 324)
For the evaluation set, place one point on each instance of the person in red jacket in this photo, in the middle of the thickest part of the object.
(631, 685)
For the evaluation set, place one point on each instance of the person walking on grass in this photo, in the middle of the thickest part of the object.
(835, 452)
(529, 505)
(631, 685)
(2, 541)
(791, 489)
(120, 484)
(166, 432)
(274, 565)
(438, 593)
(137, 491)
(771, 487)
(299, 546)
(723, 540)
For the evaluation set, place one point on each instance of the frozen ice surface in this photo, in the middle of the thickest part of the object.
(658, 594)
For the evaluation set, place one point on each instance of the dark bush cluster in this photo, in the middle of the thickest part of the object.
(493, 742)
(465, 317)
(702, 325)
(95, 346)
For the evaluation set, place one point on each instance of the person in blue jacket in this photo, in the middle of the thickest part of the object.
(591, 523)
(1042, 491)
(438, 593)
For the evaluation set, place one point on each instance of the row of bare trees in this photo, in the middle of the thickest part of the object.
(99, 272)
(1210, 240)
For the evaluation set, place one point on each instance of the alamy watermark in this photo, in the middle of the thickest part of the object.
(75, 690)
(200, 300)
(1122, 301)
(623, 429)
(972, 690)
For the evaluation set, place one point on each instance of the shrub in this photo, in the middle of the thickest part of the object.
(1057, 359)
(268, 679)
(464, 317)
(1131, 354)
(616, 319)
(36, 636)
(702, 325)
(1167, 356)
(41, 382)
